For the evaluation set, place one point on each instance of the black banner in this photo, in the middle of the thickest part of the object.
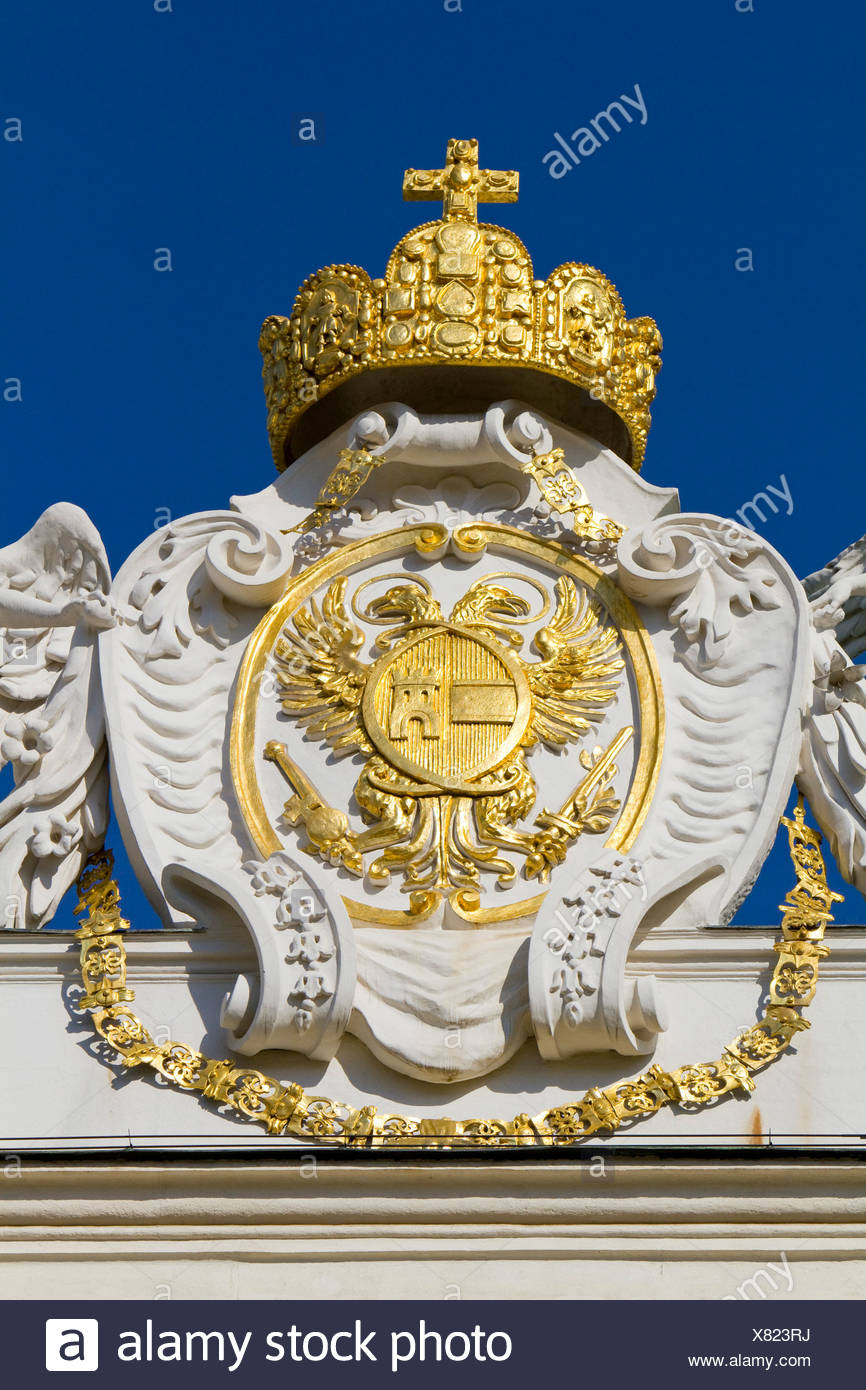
(414, 1344)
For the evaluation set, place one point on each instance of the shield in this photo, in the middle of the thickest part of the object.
(446, 707)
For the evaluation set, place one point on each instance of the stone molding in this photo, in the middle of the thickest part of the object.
(422, 1227)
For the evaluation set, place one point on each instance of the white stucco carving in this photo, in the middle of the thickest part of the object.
(832, 771)
(301, 994)
(168, 670)
(54, 601)
(443, 998)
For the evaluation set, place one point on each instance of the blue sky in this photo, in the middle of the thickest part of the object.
(146, 128)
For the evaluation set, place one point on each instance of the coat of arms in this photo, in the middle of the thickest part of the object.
(449, 713)
(445, 719)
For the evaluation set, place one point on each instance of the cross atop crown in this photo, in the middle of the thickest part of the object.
(461, 184)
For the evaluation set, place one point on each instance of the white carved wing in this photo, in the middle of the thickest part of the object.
(189, 598)
(740, 643)
(731, 638)
(54, 587)
(832, 771)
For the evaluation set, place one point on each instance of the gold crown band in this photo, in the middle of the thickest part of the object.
(460, 293)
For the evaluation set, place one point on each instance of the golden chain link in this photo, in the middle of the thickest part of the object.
(286, 1109)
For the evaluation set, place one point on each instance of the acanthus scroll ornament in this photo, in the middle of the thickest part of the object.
(248, 563)
(203, 566)
(706, 570)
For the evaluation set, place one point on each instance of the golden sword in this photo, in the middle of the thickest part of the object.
(559, 829)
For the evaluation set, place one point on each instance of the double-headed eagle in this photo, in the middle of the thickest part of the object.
(445, 718)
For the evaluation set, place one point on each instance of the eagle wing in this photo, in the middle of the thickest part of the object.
(320, 677)
(579, 673)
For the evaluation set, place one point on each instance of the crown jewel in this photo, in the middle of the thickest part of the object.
(460, 292)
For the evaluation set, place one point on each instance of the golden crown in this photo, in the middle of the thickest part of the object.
(459, 293)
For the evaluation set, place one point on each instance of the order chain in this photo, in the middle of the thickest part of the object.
(286, 1109)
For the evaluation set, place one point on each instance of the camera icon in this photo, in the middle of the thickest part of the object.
(71, 1344)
